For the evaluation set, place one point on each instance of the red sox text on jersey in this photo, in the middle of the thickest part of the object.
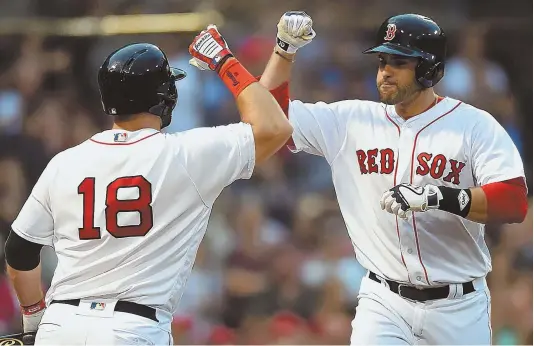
(382, 161)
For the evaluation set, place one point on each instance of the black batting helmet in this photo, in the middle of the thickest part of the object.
(137, 78)
(418, 36)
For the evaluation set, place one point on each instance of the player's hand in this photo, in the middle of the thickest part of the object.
(294, 31)
(404, 198)
(209, 50)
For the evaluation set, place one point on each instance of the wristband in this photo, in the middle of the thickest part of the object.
(222, 61)
(455, 201)
(236, 77)
(283, 57)
(286, 47)
(32, 309)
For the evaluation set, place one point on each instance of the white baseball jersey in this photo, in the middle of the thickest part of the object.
(371, 149)
(126, 211)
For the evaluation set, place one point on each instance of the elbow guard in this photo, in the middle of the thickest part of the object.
(21, 254)
(281, 95)
(507, 201)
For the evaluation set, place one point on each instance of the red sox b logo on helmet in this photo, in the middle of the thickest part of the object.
(390, 33)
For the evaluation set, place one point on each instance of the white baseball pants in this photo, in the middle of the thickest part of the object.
(64, 324)
(385, 318)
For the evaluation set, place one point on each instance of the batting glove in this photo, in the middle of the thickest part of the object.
(403, 198)
(209, 50)
(294, 31)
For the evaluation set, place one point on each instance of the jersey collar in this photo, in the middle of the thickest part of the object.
(123, 137)
(442, 107)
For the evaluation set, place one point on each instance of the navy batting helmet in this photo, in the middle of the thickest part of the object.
(137, 78)
(417, 36)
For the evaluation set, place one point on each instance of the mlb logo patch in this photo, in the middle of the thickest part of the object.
(120, 137)
(98, 306)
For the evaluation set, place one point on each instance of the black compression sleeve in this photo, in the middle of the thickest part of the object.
(22, 254)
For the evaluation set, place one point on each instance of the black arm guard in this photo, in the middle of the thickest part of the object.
(22, 254)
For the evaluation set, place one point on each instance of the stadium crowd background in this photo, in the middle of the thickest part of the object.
(276, 265)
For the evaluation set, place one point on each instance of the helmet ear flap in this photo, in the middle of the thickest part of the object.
(439, 72)
(429, 74)
(168, 98)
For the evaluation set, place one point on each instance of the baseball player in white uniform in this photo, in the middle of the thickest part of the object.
(127, 209)
(417, 176)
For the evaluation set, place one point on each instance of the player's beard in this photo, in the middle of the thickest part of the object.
(400, 94)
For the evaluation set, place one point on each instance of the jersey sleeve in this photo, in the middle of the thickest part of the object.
(318, 128)
(217, 156)
(495, 156)
(35, 222)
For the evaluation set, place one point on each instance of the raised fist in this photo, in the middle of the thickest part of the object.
(294, 31)
(209, 50)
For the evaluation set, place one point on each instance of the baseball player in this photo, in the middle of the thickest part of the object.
(417, 176)
(127, 209)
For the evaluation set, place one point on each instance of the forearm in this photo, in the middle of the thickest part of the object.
(23, 259)
(479, 206)
(271, 127)
(27, 284)
(294, 32)
(499, 202)
(277, 71)
(254, 103)
(258, 108)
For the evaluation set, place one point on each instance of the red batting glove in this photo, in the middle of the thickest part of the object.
(209, 50)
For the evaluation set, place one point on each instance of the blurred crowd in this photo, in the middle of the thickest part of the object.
(276, 265)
